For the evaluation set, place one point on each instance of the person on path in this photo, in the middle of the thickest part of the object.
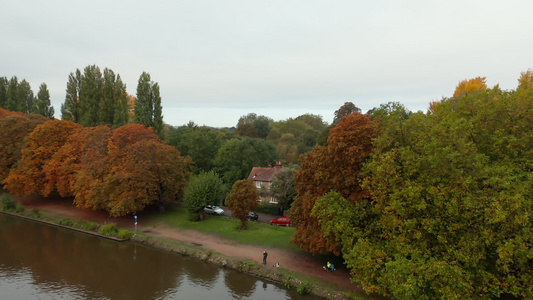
(265, 254)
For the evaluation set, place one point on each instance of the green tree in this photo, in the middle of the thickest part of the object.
(91, 96)
(346, 109)
(12, 103)
(283, 187)
(25, 97)
(42, 105)
(4, 86)
(70, 109)
(236, 158)
(203, 189)
(253, 126)
(148, 110)
(200, 143)
(242, 199)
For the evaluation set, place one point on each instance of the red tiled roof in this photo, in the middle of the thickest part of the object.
(265, 174)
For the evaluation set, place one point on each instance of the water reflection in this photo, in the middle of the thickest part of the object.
(44, 262)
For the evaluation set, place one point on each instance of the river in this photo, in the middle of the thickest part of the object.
(40, 261)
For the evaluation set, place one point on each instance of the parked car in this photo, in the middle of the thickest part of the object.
(281, 221)
(252, 216)
(213, 210)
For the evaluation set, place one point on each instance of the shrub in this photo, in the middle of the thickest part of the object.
(35, 213)
(66, 222)
(266, 208)
(8, 203)
(304, 289)
(85, 225)
(109, 230)
(124, 234)
(19, 208)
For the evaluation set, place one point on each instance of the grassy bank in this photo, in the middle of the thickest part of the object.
(256, 234)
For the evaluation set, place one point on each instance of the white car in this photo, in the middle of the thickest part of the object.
(214, 210)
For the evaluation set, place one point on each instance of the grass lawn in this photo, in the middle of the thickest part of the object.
(256, 234)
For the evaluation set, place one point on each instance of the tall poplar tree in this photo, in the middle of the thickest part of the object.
(70, 109)
(148, 109)
(4, 84)
(42, 104)
(91, 95)
(12, 94)
(25, 97)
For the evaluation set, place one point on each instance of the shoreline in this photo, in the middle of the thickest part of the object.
(242, 265)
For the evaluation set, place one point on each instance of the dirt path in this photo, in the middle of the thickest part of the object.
(299, 263)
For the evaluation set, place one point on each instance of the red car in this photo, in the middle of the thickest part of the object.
(281, 221)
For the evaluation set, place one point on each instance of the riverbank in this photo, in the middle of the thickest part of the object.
(296, 271)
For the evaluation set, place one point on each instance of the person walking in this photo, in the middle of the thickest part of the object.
(265, 254)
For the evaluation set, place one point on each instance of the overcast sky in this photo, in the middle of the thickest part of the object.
(217, 60)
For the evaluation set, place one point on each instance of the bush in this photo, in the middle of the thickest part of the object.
(35, 213)
(19, 208)
(109, 230)
(85, 225)
(304, 289)
(267, 208)
(66, 222)
(124, 234)
(8, 203)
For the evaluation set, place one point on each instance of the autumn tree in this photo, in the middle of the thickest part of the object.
(450, 215)
(28, 177)
(203, 189)
(242, 199)
(14, 128)
(470, 85)
(335, 167)
(148, 110)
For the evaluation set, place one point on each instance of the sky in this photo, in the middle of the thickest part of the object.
(216, 61)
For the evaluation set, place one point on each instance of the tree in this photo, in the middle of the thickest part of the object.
(242, 199)
(70, 109)
(14, 129)
(28, 177)
(148, 109)
(236, 158)
(12, 103)
(42, 104)
(4, 86)
(25, 97)
(344, 110)
(283, 187)
(200, 143)
(470, 85)
(335, 167)
(253, 126)
(91, 96)
(203, 189)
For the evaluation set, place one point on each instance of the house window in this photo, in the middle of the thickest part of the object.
(273, 200)
(258, 184)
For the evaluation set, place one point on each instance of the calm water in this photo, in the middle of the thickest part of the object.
(39, 261)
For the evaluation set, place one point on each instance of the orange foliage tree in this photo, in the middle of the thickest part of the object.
(85, 148)
(131, 170)
(14, 127)
(29, 178)
(470, 85)
(333, 167)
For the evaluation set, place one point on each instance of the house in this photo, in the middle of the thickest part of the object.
(262, 177)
